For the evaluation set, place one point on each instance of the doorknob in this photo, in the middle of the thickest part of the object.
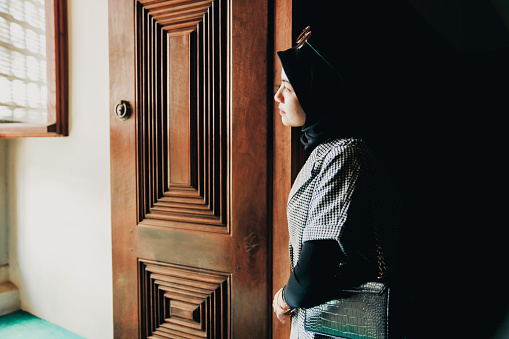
(123, 110)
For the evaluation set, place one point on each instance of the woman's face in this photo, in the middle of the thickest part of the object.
(290, 109)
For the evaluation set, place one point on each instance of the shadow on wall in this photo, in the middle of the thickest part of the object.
(9, 293)
(434, 108)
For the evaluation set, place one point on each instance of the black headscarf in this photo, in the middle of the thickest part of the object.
(321, 93)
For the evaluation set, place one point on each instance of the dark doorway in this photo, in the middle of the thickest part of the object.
(432, 79)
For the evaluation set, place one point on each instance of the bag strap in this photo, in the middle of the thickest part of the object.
(382, 265)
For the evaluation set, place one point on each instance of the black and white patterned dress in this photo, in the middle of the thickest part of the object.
(320, 199)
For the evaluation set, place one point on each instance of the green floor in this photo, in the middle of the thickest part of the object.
(23, 325)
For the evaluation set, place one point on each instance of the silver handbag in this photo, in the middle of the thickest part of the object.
(360, 312)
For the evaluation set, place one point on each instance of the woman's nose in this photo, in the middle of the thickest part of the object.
(278, 96)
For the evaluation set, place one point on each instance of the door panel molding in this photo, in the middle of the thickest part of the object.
(183, 113)
(179, 301)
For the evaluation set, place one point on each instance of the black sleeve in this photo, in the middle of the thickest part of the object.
(312, 280)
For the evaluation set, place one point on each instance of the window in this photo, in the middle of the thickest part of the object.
(33, 68)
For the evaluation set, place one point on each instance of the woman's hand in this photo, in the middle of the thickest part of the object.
(280, 307)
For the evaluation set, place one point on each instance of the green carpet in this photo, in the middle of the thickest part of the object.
(23, 325)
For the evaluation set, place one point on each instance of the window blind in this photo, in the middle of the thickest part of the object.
(23, 96)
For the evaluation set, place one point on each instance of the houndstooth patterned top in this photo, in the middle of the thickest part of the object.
(319, 205)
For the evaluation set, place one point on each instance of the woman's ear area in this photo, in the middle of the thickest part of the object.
(284, 77)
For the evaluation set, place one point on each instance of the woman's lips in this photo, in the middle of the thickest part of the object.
(281, 112)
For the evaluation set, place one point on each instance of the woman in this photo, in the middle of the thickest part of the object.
(332, 202)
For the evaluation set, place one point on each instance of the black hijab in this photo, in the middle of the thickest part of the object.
(321, 93)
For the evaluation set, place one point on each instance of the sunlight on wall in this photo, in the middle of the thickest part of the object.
(59, 195)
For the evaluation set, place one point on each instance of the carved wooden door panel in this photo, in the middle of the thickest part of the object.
(189, 168)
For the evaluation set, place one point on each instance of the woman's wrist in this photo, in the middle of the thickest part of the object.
(281, 302)
(281, 308)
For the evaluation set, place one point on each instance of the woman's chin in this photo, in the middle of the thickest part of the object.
(286, 122)
(289, 123)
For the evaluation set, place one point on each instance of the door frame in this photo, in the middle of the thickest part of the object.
(123, 167)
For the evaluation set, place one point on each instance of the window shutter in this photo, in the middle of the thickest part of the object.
(23, 87)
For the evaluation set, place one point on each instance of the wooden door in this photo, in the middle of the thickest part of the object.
(189, 168)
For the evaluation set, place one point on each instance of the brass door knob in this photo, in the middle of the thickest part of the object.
(123, 110)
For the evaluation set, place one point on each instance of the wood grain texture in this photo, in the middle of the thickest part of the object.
(250, 104)
(123, 170)
(179, 113)
(213, 215)
(194, 249)
(282, 169)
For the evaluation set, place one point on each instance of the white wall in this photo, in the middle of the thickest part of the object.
(59, 195)
(4, 258)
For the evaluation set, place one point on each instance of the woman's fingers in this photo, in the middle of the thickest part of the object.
(281, 316)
